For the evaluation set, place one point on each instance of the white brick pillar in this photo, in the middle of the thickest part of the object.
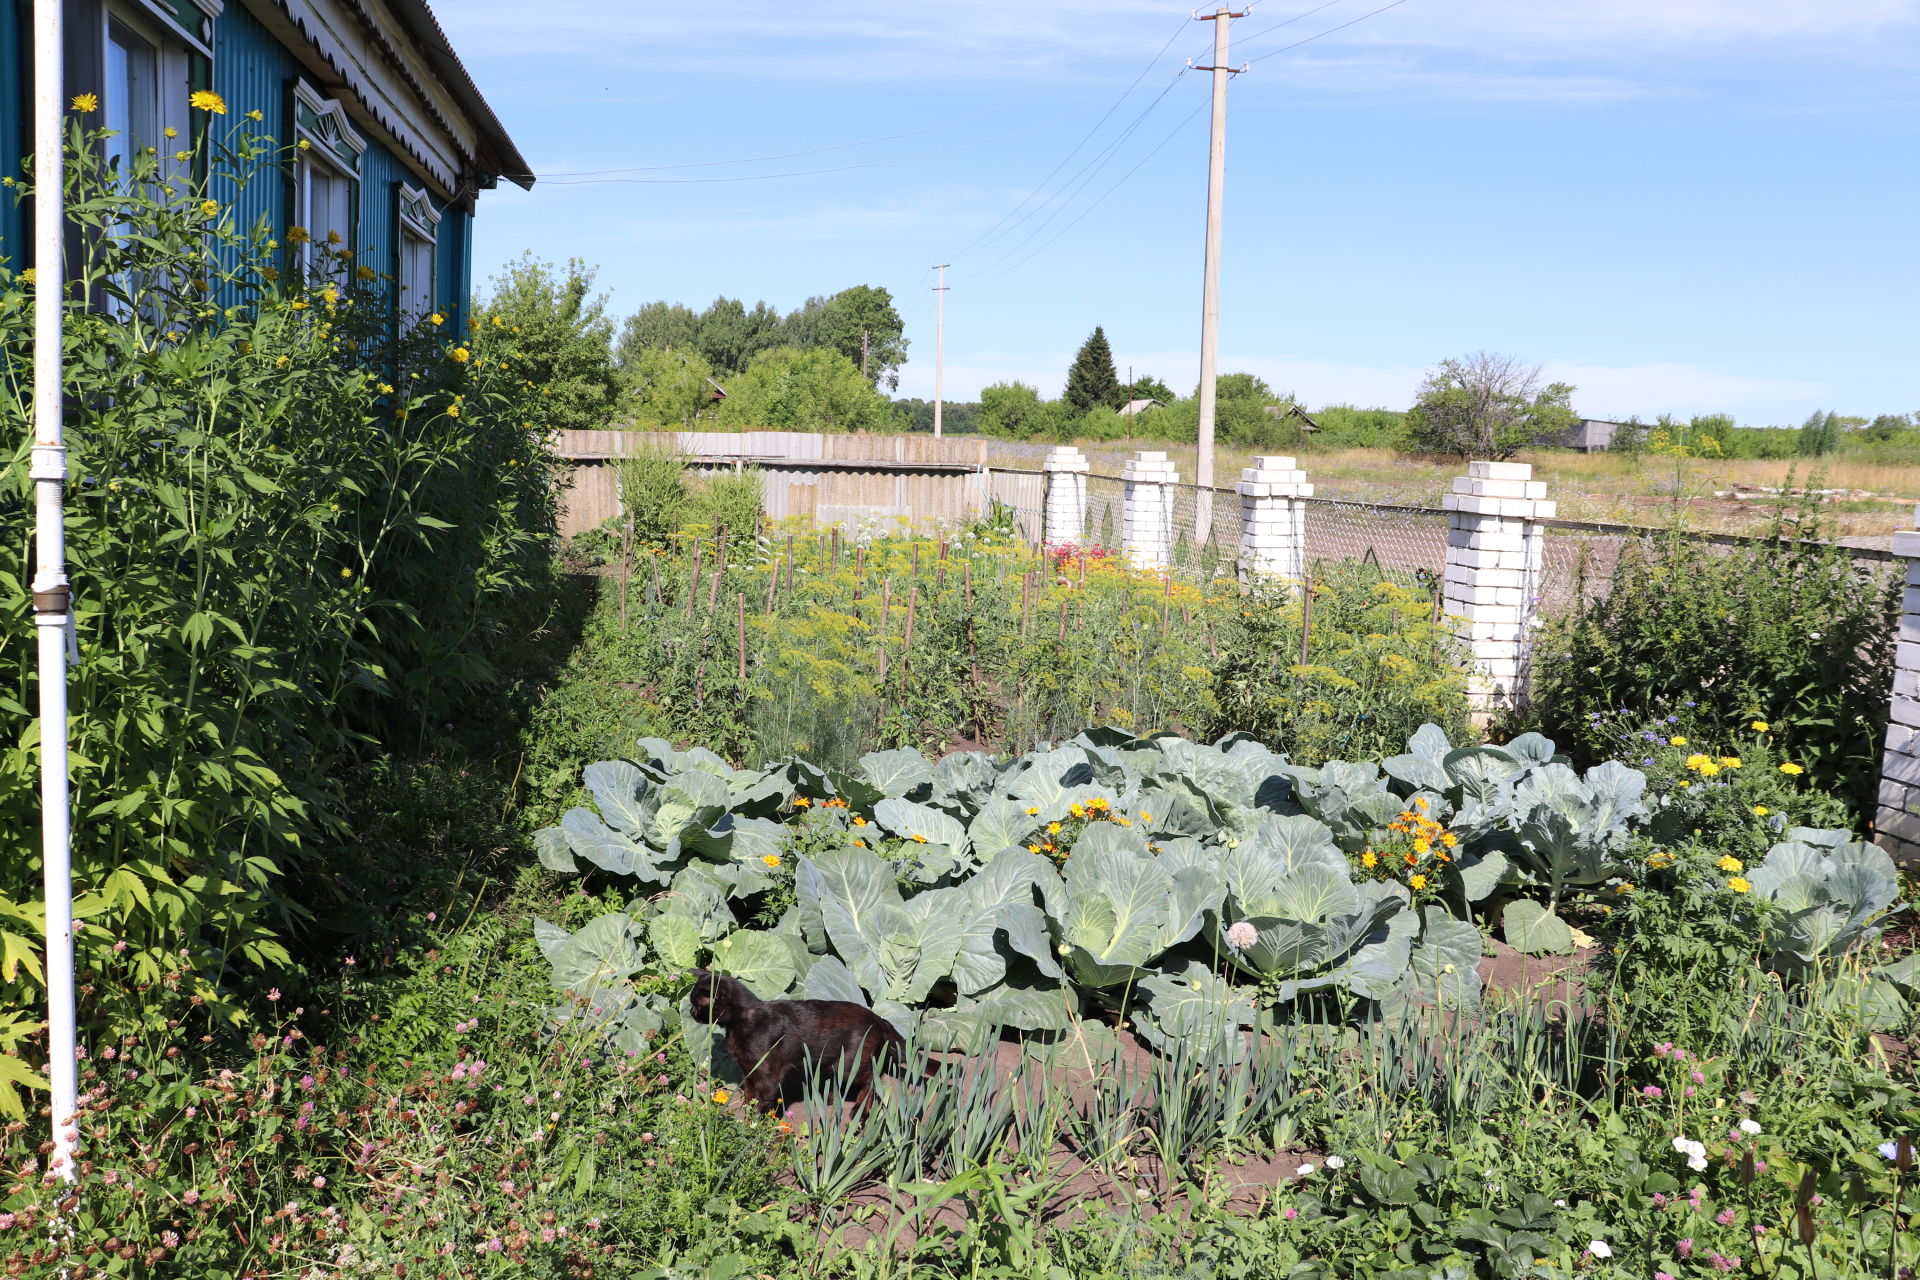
(1493, 574)
(1896, 824)
(1147, 516)
(1273, 520)
(1066, 522)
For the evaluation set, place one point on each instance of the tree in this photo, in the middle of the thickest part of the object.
(668, 389)
(1820, 434)
(658, 326)
(1092, 381)
(802, 389)
(564, 339)
(1147, 388)
(1015, 411)
(860, 323)
(957, 417)
(1488, 406)
(729, 335)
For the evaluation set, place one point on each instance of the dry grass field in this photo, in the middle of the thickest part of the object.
(1880, 498)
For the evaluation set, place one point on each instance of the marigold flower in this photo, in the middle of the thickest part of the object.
(209, 101)
(1032, 811)
(1730, 863)
(720, 1096)
(801, 802)
(1761, 811)
(1145, 816)
(1033, 848)
(86, 103)
(859, 844)
(1449, 839)
(1417, 881)
(1760, 726)
(771, 859)
(1660, 861)
(1790, 769)
(1078, 810)
(1677, 741)
(1369, 859)
(918, 838)
(859, 821)
(1739, 885)
(1625, 886)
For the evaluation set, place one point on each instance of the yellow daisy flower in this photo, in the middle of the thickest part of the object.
(209, 101)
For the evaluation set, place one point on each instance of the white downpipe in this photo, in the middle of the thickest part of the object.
(52, 600)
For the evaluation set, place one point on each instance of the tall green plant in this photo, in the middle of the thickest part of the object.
(291, 539)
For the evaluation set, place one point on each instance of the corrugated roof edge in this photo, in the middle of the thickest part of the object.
(425, 28)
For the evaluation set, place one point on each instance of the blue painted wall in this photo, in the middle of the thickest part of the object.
(13, 125)
(253, 72)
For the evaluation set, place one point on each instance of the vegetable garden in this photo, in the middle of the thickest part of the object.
(1224, 944)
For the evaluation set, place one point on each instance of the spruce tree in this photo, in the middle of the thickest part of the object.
(1092, 381)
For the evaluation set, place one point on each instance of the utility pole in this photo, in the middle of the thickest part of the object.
(939, 340)
(866, 339)
(1221, 19)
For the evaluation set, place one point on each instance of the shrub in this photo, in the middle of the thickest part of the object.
(1787, 631)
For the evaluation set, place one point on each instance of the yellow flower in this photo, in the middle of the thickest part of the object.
(346, 573)
(1449, 839)
(1677, 741)
(1708, 769)
(297, 235)
(171, 132)
(86, 103)
(255, 116)
(386, 388)
(1098, 802)
(209, 101)
(28, 276)
(304, 145)
(1078, 810)
(1145, 816)
(436, 318)
(1760, 726)
(859, 844)
(1369, 859)
(1730, 762)
(918, 838)
(1625, 886)
(1660, 861)
(1761, 811)
(1422, 845)
(801, 802)
(1695, 760)
(1033, 848)
(859, 821)
(1053, 828)
(1791, 768)
(460, 355)
(1730, 863)
(298, 304)
(183, 156)
(364, 272)
(1739, 885)
(453, 411)
(771, 859)
(1417, 881)
(331, 294)
(720, 1096)
(210, 207)
(1685, 783)
(1031, 811)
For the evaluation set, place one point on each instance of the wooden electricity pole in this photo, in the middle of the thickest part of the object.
(1221, 19)
(939, 341)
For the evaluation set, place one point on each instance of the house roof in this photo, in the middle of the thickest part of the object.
(502, 157)
(1132, 407)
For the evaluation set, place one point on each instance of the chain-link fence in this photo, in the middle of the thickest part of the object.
(1206, 531)
(1408, 544)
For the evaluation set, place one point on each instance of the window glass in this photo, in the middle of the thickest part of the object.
(133, 94)
(416, 274)
(327, 197)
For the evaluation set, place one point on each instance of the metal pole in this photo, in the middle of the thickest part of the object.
(939, 342)
(52, 598)
(1221, 19)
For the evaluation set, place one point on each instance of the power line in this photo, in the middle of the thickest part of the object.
(1101, 199)
(1083, 177)
(1290, 21)
(813, 151)
(987, 236)
(1329, 31)
(807, 173)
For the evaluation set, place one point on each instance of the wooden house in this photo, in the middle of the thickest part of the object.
(399, 141)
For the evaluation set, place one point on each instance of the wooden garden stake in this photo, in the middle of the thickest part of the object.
(906, 650)
(1083, 568)
(833, 551)
(1213, 646)
(713, 592)
(626, 570)
(653, 566)
(740, 632)
(773, 582)
(966, 580)
(1306, 617)
(916, 559)
(693, 580)
(1062, 636)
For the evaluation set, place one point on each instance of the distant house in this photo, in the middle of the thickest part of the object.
(1589, 435)
(399, 142)
(1133, 408)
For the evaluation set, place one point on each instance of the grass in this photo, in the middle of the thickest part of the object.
(1598, 486)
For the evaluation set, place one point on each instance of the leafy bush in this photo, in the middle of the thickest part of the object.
(1793, 633)
(280, 562)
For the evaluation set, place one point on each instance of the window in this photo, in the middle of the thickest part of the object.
(419, 233)
(151, 64)
(326, 183)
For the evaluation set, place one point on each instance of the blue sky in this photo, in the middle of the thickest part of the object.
(1677, 205)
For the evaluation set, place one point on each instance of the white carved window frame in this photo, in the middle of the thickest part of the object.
(419, 237)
